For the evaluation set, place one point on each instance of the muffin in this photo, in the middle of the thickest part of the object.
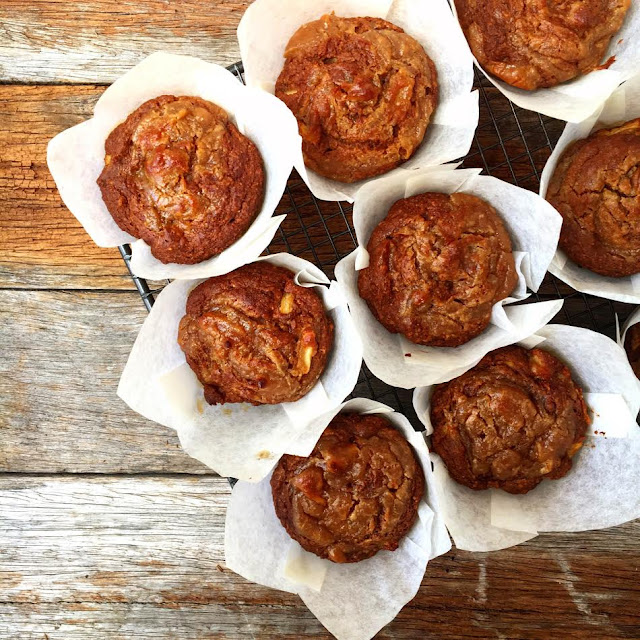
(254, 335)
(632, 347)
(179, 175)
(540, 43)
(513, 420)
(363, 92)
(596, 189)
(357, 493)
(437, 265)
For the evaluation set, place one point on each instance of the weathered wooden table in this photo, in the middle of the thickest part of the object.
(107, 529)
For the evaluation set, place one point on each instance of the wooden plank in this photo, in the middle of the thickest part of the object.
(41, 243)
(121, 557)
(62, 355)
(47, 41)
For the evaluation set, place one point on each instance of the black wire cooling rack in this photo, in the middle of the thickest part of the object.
(511, 143)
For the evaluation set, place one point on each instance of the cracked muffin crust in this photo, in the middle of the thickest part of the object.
(632, 347)
(363, 92)
(437, 265)
(596, 189)
(513, 420)
(356, 494)
(540, 43)
(179, 175)
(254, 335)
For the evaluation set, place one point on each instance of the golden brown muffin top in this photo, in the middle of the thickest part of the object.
(437, 265)
(363, 92)
(513, 420)
(596, 189)
(540, 43)
(254, 335)
(357, 493)
(179, 175)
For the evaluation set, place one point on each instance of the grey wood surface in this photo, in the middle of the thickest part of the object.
(95, 41)
(142, 557)
(62, 355)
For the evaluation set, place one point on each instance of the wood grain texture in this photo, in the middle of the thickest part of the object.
(123, 558)
(62, 356)
(95, 41)
(41, 244)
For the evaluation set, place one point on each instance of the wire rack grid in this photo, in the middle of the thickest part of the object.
(511, 143)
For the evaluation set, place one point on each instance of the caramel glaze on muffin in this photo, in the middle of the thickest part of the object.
(254, 335)
(356, 494)
(438, 263)
(179, 175)
(513, 420)
(632, 347)
(540, 43)
(596, 189)
(363, 92)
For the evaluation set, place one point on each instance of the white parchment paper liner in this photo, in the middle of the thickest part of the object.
(600, 491)
(622, 106)
(575, 100)
(353, 601)
(238, 440)
(534, 227)
(76, 156)
(267, 26)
